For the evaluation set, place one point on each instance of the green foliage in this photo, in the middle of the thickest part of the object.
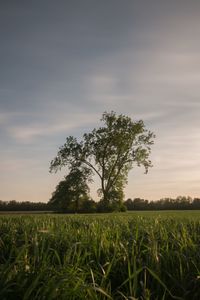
(124, 256)
(179, 203)
(72, 192)
(109, 151)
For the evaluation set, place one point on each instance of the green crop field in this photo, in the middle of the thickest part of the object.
(140, 255)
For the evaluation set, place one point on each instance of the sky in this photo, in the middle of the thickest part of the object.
(63, 63)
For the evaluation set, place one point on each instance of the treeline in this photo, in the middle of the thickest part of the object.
(179, 203)
(90, 206)
(14, 205)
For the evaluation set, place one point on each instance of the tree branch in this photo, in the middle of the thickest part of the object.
(124, 161)
(91, 166)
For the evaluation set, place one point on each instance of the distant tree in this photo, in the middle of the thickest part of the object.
(72, 192)
(14, 205)
(129, 204)
(88, 206)
(109, 151)
(140, 204)
(196, 203)
(183, 202)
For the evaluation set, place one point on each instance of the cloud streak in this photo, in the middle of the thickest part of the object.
(61, 125)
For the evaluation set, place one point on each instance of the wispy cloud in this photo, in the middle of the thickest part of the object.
(60, 124)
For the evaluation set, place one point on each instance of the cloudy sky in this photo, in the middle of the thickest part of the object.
(63, 63)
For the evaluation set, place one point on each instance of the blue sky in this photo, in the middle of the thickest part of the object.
(63, 63)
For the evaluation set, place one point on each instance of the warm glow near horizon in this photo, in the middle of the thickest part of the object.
(64, 63)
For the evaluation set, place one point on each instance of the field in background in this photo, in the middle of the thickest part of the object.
(137, 255)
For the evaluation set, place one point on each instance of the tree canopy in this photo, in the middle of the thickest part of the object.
(110, 151)
(72, 192)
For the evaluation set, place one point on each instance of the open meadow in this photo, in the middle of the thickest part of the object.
(137, 255)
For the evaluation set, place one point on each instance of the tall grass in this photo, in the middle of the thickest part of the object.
(126, 256)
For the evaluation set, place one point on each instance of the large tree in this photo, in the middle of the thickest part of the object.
(109, 151)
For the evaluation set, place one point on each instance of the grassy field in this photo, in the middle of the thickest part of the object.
(139, 255)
